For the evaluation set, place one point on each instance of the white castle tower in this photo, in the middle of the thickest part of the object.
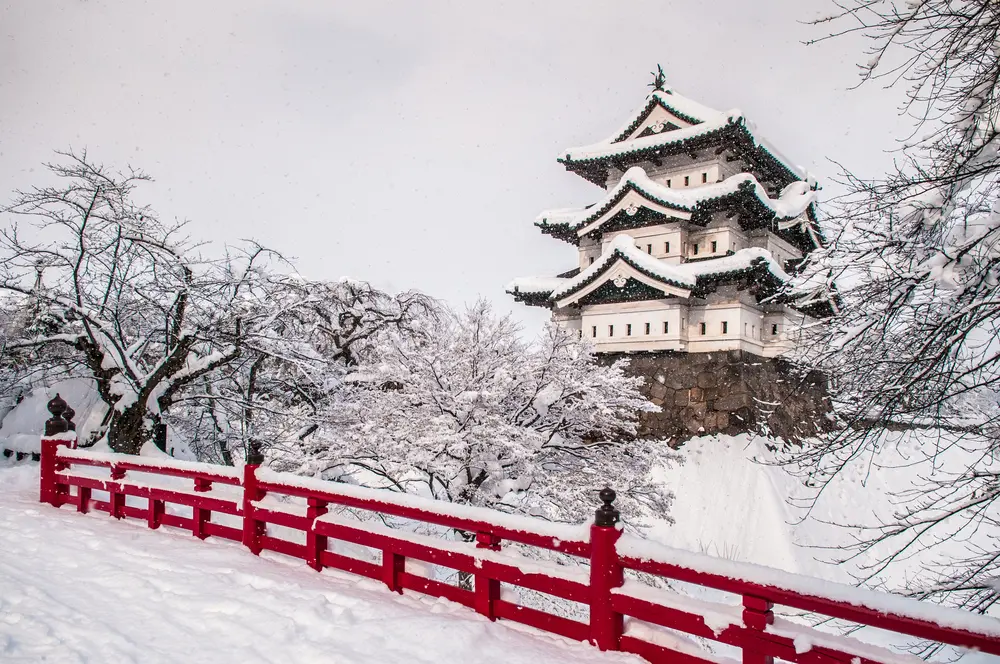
(700, 225)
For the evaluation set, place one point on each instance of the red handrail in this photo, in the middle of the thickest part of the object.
(752, 627)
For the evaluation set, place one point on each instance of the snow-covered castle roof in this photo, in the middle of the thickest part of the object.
(671, 280)
(678, 204)
(669, 123)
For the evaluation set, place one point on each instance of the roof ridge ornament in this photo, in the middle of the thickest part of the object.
(659, 80)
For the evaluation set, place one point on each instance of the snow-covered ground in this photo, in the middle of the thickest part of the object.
(87, 588)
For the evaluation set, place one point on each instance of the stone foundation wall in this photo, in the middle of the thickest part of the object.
(729, 392)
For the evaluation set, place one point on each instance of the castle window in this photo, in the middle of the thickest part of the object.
(715, 246)
(666, 247)
(647, 328)
(702, 328)
(753, 331)
(593, 331)
(611, 330)
(592, 260)
(687, 181)
(704, 177)
(745, 326)
(668, 183)
(628, 330)
(695, 248)
(649, 248)
(725, 327)
(774, 329)
(666, 327)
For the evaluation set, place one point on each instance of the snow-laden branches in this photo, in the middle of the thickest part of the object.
(914, 262)
(144, 314)
(470, 413)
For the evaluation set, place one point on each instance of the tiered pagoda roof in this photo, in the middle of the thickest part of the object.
(769, 193)
(635, 275)
(654, 203)
(684, 126)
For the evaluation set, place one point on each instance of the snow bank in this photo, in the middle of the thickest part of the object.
(22, 427)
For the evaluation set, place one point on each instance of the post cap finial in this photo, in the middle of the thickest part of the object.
(254, 456)
(607, 515)
(56, 424)
(68, 415)
(57, 405)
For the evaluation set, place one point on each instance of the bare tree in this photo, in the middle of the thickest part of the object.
(141, 312)
(915, 259)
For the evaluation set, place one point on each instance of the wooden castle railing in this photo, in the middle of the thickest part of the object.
(625, 614)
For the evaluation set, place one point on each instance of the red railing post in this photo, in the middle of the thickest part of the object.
(253, 529)
(606, 574)
(487, 590)
(117, 498)
(757, 616)
(315, 544)
(47, 471)
(200, 515)
(155, 514)
(56, 428)
(393, 565)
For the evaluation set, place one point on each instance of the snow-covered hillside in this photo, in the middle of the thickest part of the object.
(731, 503)
(77, 588)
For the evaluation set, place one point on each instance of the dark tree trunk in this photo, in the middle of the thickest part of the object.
(131, 429)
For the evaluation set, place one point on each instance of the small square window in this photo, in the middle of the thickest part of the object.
(687, 181)
(593, 331)
(628, 330)
(715, 246)
(774, 329)
(666, 327)
(649, 249)
(725, 327)
(666, 247)
(647, 328)
(611, 330)
(702, 328)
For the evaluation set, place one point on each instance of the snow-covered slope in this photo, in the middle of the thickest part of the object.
(77, 588)
(730, 507)
(730, 503)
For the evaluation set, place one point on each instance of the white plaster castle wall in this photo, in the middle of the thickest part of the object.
(746, 327)
(654, 240)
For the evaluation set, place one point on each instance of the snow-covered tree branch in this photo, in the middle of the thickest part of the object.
(471, 413)
(913, 263)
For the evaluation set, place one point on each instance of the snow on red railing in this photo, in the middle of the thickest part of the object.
(253, 496)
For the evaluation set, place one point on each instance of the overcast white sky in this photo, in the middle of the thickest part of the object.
(410, 144)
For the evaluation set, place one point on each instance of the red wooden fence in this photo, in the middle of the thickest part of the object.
(249, 496)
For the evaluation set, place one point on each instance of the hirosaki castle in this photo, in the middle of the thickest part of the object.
(700, 224)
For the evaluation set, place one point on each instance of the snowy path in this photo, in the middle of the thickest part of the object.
(89, 589)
